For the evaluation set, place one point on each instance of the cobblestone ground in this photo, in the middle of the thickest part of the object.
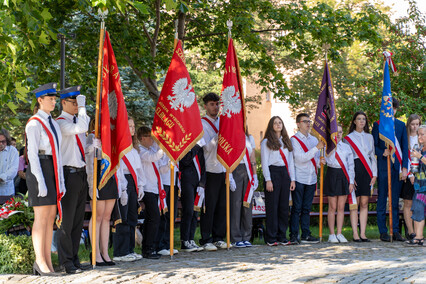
(374, 262)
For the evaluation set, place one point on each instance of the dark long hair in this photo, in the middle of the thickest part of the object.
(272, 141)
(352, 127)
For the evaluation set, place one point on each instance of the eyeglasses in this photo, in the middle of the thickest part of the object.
(73, 102)
(306, 121)
(3, 142)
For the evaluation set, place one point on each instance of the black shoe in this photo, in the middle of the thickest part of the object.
(397, 237)
(83, 266)
(411, 236)
(357, 240)
(365, 240)
(109, 263)
(310, 240)
(385, 237)
(71, 269)
(284, 242)
(37, 271)
(151, 255)
(294, 241)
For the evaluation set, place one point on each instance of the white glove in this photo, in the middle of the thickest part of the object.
(200, 191)
(201, 142)
(256, 182)
(91, 193)
(232, 184)
(81, 100)
(140, 194)
(124, 198)
(97, 143)
(42, 190)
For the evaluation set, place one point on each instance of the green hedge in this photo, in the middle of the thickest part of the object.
(16, 254)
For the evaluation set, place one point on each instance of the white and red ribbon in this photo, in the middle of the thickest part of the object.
(162, 204)
(199, 199)
(250, 186)
(388, 57)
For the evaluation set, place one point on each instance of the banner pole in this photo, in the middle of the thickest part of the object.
(321, 196)
(228, 213)
(390, 199)
(172, 208)
(95, 160)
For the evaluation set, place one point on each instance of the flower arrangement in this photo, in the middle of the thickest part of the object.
(16, 213)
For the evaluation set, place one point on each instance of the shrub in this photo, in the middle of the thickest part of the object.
(16, 254)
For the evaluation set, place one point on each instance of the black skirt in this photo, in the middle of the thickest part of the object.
(49, 179)
(335, 183)
(407, 191)
(362, 179)
(110, 190)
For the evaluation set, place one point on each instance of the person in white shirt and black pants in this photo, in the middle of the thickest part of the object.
(45, 178)
(73, 146)
(150, 156)
(306, 153)
(278, 171)
(337, 186)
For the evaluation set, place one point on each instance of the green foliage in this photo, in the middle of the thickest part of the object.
(16, 254)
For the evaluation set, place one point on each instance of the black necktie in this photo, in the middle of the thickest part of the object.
(54, 130)
(74, 119)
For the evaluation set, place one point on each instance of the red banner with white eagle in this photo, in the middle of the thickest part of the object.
(177, 124)
(114, 125)
(231, 137)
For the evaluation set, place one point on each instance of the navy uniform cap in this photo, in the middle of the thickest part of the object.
(70, 92)
(48, 89)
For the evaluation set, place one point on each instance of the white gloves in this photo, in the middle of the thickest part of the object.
(256, 182)
(201, 142)
(91, 192)
(140, 194)
(81, 100)
(42, 189)
(200, 191)
(232, 184)
(124, 198)
(97, 143)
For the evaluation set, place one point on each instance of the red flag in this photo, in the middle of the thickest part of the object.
(231, 139)
(115, 133)
(177, 124)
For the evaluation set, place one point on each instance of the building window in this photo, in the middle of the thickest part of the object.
(268, 96)
(261, 137)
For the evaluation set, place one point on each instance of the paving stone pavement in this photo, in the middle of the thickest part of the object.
(374, 262)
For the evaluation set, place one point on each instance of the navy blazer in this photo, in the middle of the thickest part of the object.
(401, 135)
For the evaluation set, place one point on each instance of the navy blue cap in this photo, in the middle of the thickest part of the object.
(70, 92)
(48, 89)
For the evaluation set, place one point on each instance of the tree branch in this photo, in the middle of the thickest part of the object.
(223, 33)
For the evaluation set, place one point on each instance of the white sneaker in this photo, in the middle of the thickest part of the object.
(332, 239)
(164, 252)
(175, 251)
(221, 245)
(126, 258)
(341, 238)
(209, 247)
(187, 246)
(137, 256)
(196, 246)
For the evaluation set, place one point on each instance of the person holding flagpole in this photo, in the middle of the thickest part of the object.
(73, 146)
(339, 183)
(154, 196)
(306, 152)
(279, 175)
(362, 144)
(131, 178)
(45, 178)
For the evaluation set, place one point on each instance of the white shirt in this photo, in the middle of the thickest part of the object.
(304, 169)
(148, 156)
(413, 141)
(273, 158)
(9, 162)
(135, 162)
(71, 155)
(164, 165)
(250, 146)
(345, 154)
(39, 141)
(210, 149)
(365, 143)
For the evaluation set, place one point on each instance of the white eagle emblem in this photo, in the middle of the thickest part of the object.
(113, 107)
(183, 95)
(231, 103)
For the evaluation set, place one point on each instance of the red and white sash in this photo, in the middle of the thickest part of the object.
(199, 200)
(59, 193)
(362, 156)
(211, 124)
(132, 172)
(351, 196)
(306, 150)
(250, 186)
(79, 144)
(162, 204)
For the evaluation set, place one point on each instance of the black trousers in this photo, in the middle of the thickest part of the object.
(162, 241)
(151, 223)
(188, 224)
(124, 236)
(276, 203)
(73, 209)
(213, 219)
